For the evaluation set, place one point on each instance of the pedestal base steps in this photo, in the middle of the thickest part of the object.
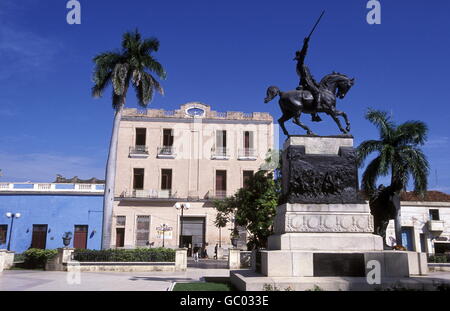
(247, 280)
(287, 263)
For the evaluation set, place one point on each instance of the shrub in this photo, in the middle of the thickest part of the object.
(35, 258)
(438, 259)
(126, 255)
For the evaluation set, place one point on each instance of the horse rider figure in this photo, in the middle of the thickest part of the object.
(307, 82)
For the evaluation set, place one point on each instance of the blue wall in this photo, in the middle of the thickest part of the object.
(60, 212)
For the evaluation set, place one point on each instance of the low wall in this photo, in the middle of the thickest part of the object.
(64, 262)
(439, 267)
(120, 266)
(238, 259)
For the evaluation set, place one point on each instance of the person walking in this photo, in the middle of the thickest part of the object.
(215, 251)
(196, 254)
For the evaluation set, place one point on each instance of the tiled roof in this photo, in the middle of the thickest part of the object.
(431, 196)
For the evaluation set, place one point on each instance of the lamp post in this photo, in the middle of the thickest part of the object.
(12, 216)
(182, 206)
(163, 229)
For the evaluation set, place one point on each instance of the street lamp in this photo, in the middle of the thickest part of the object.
(164, 228)
(182, 206)
(12, 216)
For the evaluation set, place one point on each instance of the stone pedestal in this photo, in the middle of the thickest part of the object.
(234, 259)
(324, 228)
(6, 259)
(59, 262)
(181, 259)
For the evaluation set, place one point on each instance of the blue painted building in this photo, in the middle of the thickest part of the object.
(47, 211)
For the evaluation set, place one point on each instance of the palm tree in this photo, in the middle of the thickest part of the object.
(398, 154)
(133, 63)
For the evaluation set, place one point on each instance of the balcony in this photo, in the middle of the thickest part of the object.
(166, 152)
(149, 194)
(216, 195)
(247, 154)
(220, 153)
(436, 225)
(138, 152)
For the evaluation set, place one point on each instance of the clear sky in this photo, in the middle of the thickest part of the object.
(222, 53)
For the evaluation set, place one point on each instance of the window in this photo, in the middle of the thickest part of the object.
(138, 179)
(120, 230)
(221, 183)
(246, 175)
(248, 140)
(166, 179)
(141, 136)
(120, 237)
(167, 137)
(142, 230)
(434, 214)
(221, 142)
(120, 221)
(3, 233)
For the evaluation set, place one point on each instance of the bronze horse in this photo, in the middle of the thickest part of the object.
(294, 103)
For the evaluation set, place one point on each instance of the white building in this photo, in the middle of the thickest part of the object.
(425, 223)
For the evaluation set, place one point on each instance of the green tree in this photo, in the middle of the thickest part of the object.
(133, 64)
(220, 222)
(253, 207)
(397, 154)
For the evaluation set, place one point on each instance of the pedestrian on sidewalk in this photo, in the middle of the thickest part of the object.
(215, 251)
(196, 254)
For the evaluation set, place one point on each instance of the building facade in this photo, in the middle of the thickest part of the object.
(183, 158)
(47, 211)
(425, 223)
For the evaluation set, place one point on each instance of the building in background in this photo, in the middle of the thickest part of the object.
(425, 223)
(190, 156)
(47, 211)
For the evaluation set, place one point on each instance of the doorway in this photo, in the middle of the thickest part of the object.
(407, 240)
(186, 241)
(194, 233)
(39, 237)
(80, 236)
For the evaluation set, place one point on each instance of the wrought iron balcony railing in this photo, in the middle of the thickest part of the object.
(220, 153)
(149, 194)
(138, 150)
(247, 153)
(166, 152)
(218, 194)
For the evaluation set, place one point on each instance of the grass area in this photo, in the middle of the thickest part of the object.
(203, 286)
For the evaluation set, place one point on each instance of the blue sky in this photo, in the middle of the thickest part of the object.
(222, 53)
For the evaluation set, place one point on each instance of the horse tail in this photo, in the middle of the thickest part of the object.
(272, 92)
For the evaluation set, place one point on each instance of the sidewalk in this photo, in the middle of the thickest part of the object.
(35, 280)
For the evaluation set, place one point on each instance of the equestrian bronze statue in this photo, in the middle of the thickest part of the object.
(311, 97)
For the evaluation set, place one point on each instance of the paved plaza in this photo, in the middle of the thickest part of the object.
(37, 280)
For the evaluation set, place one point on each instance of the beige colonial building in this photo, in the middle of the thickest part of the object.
(169, 160)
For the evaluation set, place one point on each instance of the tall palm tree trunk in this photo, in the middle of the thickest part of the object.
(108, 198)
(398, 227)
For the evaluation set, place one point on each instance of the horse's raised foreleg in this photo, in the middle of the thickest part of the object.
(281, 123)
(336, 119)
(302, 125)
(344, 115)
